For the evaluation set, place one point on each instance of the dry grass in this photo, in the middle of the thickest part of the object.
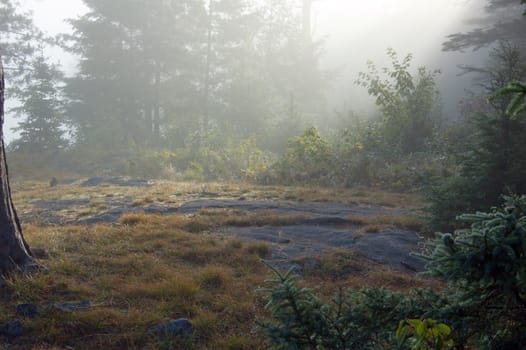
(375, 223)
(152, 268)
(136, 276)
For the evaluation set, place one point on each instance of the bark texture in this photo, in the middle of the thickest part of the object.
(14, 250)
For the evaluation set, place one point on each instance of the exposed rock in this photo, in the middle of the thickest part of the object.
(98, 180)
(326, 221)
(331, 210)
(61, 204)
(70, 307)
(320, 226)
(13, 328)
(101, 219)
(181, 327)
(155, 209)
(392, 247)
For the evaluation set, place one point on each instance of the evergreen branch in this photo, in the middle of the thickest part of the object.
(517, 104)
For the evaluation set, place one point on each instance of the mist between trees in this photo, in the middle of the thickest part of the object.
(233, 90)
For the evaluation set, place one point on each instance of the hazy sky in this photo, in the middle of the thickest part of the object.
(358, 31)
(355, 31)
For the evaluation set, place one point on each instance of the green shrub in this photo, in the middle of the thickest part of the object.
(307, 159)
(424, 335)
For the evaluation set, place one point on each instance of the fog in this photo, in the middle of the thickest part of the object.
(351, 33)
(168, 156)
(356, 32)
(332, 92)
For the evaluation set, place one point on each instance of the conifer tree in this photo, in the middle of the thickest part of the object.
(40, 108)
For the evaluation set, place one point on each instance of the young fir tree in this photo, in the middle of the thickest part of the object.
(41, 108)
(493, 161)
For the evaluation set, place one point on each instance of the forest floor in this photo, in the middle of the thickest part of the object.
(146, 252)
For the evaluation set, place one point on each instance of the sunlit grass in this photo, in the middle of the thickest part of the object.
(147, 269)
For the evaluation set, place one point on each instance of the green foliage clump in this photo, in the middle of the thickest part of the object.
(407, 102)
(307, 158)
(228, 161)
(423, 335)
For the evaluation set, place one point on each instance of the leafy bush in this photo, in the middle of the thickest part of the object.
(243, 161)
(307, 159)
(422, 335)
(408, 103)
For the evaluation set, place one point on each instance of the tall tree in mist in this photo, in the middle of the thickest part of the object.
(503, 21)
(492, 159)
(229, 79)
(152, 70)
(40, 107)
(17, 36)
(129, 52)
(291, 66)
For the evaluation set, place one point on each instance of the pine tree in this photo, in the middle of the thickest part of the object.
(503, 21)
(41, 108)
(493, 161)
(132, 63)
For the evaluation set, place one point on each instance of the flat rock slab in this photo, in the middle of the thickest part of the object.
(393, 247)
(333, 209)
(117, 181)
(327, 225)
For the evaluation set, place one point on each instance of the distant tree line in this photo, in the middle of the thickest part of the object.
(167, 74)
(232, 90)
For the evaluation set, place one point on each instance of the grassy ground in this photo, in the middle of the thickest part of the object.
(150, 268)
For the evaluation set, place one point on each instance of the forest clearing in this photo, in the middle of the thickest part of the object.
(142, 269)
(263, 174)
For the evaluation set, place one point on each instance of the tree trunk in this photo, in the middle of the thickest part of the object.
(14, 250)
(157, 106)
(307, 24)
(206, 94)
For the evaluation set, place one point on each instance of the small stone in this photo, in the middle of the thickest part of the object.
(53, 182)
(181, 327)
(14, 328)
